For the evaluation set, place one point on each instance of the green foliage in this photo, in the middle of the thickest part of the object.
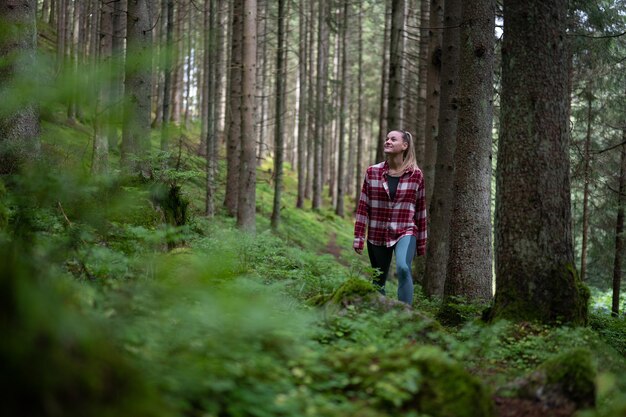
(574, 373)
(611, 329)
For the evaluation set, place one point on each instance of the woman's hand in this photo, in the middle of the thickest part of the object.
(359, 251)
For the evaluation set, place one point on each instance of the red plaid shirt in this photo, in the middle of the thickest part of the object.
(387, 221)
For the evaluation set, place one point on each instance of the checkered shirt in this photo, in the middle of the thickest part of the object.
(387, 221)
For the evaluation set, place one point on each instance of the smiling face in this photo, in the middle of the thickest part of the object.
(395, 144)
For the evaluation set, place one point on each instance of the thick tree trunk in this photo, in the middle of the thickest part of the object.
(535, 274)
(246, 209)
(469, 263)
(443, 197)
(619, 231)
(233, 143)
(19, 127)
(136, 133)
(279, 129)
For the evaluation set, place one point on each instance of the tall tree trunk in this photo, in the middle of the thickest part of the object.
(360, 139)
(246, 209)
(433, 86)
(320, 105)
(233, 152)
(188, 80)
(117, 71)
(396, 93)
(384, 86)
(311, 105)
(619, 231)
(61, 17)
(443, 197)
(263, 98)
(343, 109)
(469, 263)
(136, 133)
(19, 127)
(586, 174)
(302, 104)
(535, 274)
(279, 130)
(100, 158)
(422, 77)
(45, 11)
(167, 78)
(210, 90)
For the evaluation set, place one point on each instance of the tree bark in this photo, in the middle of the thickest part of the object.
(343, 109)
(19, 125)
(279, 129)
(443, 196)
(396, 93)
(233, 144)
(167, 79)
(469, 272)
(100, 158)
(384, 87)
(210, 90)
(535, 274)
(586, 179)
(420, 134)
(302, 104)
(619, 232)
(359, 137)
(246, 210)
(136, 132)
(320, 105)
(433, 90)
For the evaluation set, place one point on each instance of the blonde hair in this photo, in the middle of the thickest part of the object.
(409, 161)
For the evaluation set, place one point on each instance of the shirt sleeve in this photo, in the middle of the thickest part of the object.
(420, 218)
(361, 217)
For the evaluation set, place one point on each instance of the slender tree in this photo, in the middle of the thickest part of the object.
(396, 93)
(619, 231)
(302, 103)
(167, 79)
(422, 76)
(320, 104)
(358, 177)
(443, 197)
(246, 207)
(586, 178)
(535, 274)
(19, 122)
(343, 110)
(279, 129)
(384, 86)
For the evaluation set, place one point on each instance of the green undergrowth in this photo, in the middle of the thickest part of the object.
(147, 317)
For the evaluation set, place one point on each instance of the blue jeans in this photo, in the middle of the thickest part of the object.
(380, 258)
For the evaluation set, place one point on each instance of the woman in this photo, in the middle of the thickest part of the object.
(393, 207)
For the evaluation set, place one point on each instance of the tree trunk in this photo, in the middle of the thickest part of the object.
(302, 104)
(586, 174)
(136, 133)
(420, 134)
(469, 272)
(100, 158)
(167, 78)
(360, 139)
(246, 210)
(320, 105)
(263, 99)
(343, 109)
(443, 197)
(233, 144)
(19, 127)
(619, 231)
(210, 91)
(384, 87)
(535, 274)
(117, 71)
(311, 106)
(279, 129)
(396, 93)
(433, 86)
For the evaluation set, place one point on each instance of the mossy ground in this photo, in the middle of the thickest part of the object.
(220, 323)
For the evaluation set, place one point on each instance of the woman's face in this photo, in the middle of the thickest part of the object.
(395, 144)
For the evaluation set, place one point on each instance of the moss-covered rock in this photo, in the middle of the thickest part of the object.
(402, 380)
(573, 374)
(353, 288)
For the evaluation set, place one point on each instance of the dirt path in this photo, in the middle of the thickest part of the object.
(335, 250)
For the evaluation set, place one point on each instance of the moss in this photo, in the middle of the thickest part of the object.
(456, 311)
(560, 297)
(353, 287)
(574, 375)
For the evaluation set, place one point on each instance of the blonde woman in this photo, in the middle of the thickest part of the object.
(392, 207)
